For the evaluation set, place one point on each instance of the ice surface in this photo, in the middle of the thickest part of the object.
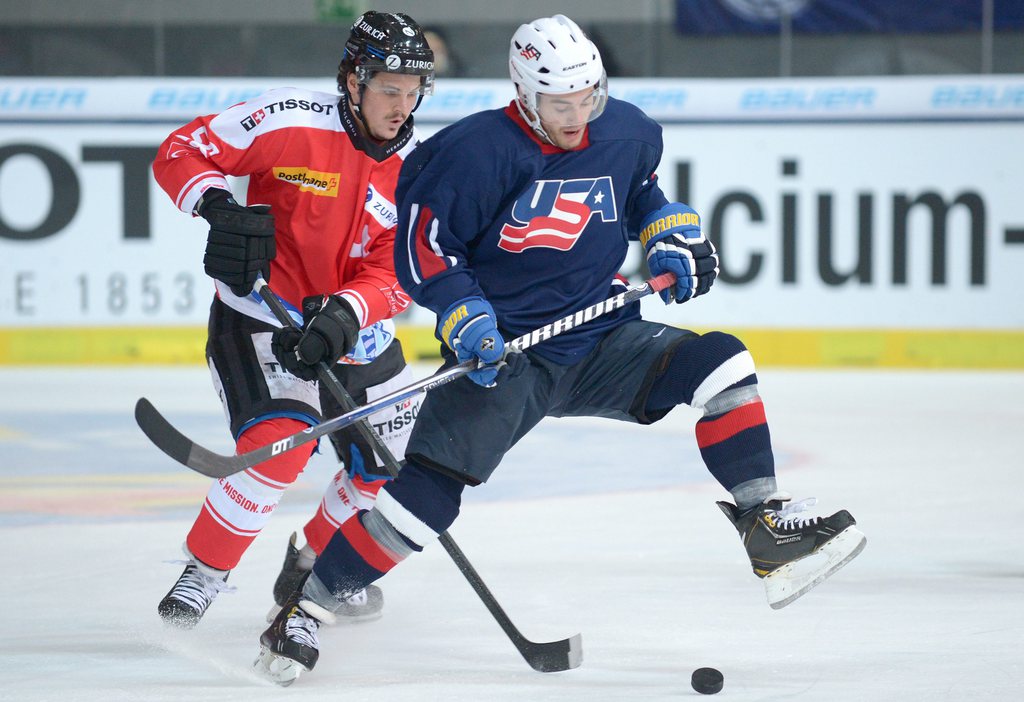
(589, 525)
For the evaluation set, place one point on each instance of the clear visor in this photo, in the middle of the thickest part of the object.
(572, 109)
(373, 78)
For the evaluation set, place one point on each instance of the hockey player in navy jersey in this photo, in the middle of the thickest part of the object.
(512, 218)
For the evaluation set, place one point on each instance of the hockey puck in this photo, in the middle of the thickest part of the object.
(707, 681)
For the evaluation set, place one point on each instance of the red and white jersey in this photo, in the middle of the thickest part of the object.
(331, 191)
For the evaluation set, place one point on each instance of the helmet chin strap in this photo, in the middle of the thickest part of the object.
(358, 112)
(534, 123)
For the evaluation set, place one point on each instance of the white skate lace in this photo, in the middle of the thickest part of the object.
(197, 589)
(301, 628)
(789, 516)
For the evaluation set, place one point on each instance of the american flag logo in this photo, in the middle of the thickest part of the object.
(553, 213)
(529, 52)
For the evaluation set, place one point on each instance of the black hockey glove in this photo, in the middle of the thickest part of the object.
(240, 244)
(330, 331)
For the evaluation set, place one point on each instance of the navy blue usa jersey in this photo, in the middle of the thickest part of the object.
(486, 209)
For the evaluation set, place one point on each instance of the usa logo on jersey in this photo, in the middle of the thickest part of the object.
(553, 213)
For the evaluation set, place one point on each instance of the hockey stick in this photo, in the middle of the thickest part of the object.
(546, 657)
(202, 460)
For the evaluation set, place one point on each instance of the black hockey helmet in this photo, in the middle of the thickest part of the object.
(390, 42)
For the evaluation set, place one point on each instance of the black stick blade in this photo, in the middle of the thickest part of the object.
(554, 656)
(161, 432)
(181, 448)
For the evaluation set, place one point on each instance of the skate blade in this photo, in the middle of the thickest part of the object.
(272, 614)
(342, 616)
(795, 579)
(277, 669)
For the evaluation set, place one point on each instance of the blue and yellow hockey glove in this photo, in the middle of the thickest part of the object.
(674, 243)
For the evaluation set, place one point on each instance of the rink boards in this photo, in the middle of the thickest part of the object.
(865, 222)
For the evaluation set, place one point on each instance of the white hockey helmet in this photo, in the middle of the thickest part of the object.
(553, 56)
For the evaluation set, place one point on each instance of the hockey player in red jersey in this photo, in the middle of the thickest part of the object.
(562, 180)
(320, 229)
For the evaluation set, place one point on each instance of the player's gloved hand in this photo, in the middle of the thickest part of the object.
(675, 243)
(240, 244)
(330, 331)
(470, 329)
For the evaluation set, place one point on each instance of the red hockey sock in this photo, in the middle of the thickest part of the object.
(239, 506)
(343, 498)
(736, 446)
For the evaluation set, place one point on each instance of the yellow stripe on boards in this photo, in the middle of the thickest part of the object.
(885, 348)
(118, 346)
(113, 346)
(809, 348)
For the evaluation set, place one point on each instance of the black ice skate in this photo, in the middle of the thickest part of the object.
(290, 646)
(365, 605)
(793, 553)
(188, 600)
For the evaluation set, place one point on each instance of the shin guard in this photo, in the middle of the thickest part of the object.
(410, 512)
(239, 506)
(343, 497)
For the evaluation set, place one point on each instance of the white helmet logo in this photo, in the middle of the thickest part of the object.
(393, 62)
(408, 31)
